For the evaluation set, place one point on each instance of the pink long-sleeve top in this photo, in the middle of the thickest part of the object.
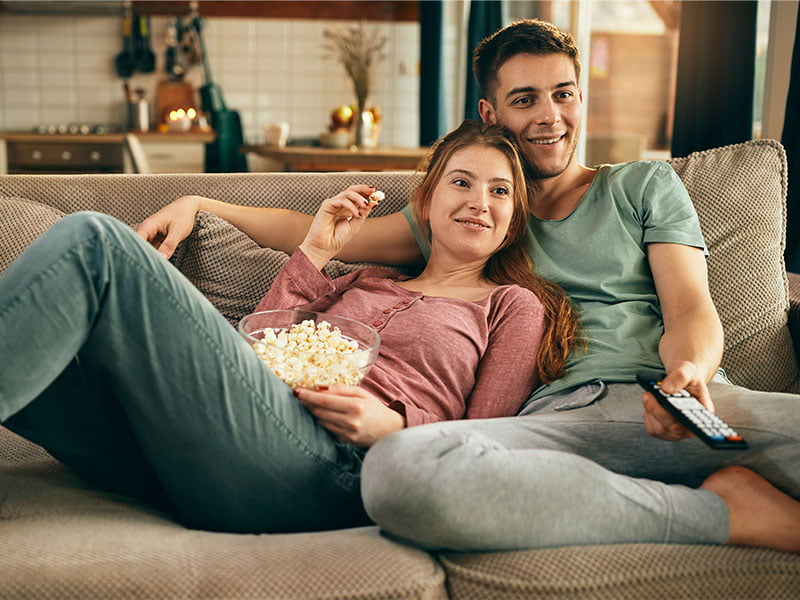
(440, 358)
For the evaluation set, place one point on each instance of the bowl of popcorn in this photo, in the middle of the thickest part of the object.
(309, 349)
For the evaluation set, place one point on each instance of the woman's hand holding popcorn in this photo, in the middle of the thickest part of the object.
(351, 413)
(337, 221)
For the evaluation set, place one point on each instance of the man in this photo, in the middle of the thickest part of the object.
(626, 245)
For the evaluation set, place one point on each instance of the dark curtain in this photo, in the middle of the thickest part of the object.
(790, 138)
(716, 67)
(485, 17)
(432, 108)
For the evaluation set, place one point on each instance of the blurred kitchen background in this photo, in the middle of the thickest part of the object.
(58, 69)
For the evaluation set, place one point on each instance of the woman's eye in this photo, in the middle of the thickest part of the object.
(504, 191)
(461, 182)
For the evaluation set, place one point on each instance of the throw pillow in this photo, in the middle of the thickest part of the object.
(739, 192)
(231, 269)
(23, 221)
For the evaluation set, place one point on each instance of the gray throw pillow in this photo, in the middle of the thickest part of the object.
(739, 192)
(22, 222)
(231, 269)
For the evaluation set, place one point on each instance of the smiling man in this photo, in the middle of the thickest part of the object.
(586, 460)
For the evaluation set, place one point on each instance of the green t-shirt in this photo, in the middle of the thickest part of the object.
(597, 254)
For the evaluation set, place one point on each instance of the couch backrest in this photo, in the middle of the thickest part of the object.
(739, 192)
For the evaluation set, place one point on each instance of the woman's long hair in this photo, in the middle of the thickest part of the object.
(510, 263)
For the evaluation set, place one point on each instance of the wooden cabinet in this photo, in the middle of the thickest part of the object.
(175, 152)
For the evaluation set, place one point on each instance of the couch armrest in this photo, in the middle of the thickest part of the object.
(794, 310)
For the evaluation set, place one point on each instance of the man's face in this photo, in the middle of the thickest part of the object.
(537, 97)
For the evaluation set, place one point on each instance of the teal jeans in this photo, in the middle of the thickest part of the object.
(122, 370)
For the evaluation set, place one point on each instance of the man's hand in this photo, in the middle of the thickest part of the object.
(168, 227)
(657, 421)
(351, 413)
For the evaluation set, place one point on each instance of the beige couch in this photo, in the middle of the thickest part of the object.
(63, 538)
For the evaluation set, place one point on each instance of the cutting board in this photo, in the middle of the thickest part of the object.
(173, 94)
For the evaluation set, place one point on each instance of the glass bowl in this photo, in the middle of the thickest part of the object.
(303, 351)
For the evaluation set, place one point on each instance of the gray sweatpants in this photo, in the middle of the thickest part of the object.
(576, 468)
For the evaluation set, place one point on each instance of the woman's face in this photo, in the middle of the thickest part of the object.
(472, 203)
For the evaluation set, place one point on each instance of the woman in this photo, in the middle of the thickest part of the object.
(117, 366)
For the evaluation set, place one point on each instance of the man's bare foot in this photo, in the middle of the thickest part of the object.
(760, 514)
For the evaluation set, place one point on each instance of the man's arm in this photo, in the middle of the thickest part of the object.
(386, 239)
(691, 347)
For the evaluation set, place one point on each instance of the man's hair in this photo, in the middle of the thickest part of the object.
(527, 36)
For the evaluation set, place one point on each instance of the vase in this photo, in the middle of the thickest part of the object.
(362, 130)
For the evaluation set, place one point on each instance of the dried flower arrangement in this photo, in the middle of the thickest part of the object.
(359, 52)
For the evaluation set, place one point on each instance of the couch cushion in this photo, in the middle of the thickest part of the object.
(22, 222)
(232, 270)
(739, 192)
(653, 571)
(63, 538)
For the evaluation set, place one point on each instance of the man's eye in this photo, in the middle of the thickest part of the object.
(565, 95)
(524, 101)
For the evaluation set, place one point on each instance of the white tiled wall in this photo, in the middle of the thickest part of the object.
(60, 69)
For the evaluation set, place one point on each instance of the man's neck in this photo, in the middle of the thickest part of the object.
(558, 196)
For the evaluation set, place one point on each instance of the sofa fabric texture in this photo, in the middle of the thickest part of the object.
(61, 537)
(22, 222)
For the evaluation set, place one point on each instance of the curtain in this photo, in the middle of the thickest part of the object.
(716, 68)
(432, 106)
(790, 138)
(485, 17)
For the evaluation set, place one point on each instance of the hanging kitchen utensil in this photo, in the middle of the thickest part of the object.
(223, 155)
(145, 58)
(171, 66)
(124, 61)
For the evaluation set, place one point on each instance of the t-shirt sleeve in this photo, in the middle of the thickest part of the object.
(507, 373)
(668, 213)
(422, 232)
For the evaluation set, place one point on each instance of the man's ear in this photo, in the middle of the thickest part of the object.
(486, 111)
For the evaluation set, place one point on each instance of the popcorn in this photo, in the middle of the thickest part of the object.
(312, 354)
(377, 197)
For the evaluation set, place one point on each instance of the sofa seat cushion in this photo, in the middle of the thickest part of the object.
(232, 270)
(63, 538)
(739, 192)
(653, 571)
(22, 222)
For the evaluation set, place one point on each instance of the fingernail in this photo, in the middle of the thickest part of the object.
(323, 388)
(295, 393)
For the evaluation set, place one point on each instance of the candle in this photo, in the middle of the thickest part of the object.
(180, 119)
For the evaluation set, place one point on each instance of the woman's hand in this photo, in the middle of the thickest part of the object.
(336, 222)
(661, 424)
(168, 227)
(351, 413)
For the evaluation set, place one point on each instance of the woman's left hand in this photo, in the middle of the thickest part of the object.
(337, 221)
(351, 413)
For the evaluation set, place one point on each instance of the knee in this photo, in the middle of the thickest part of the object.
(409, 482)
(90, 222)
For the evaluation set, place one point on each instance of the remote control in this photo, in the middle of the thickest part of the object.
(696, 417)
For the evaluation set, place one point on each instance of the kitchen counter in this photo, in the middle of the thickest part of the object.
(27, 152)
(117, 137)
(315, 158)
